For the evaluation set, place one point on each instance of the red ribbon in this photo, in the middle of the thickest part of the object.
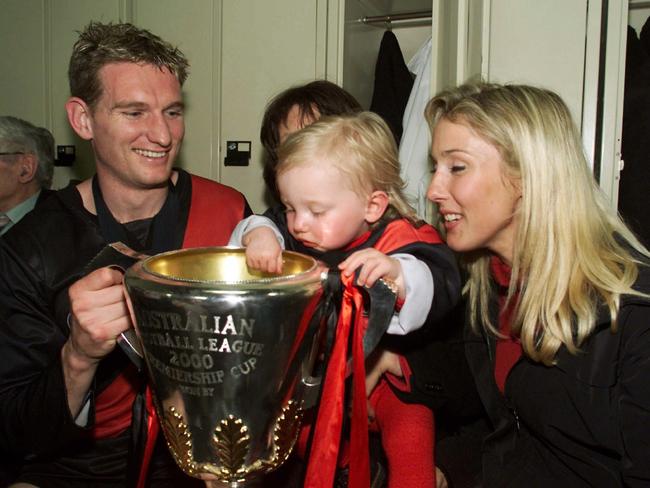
(305, 322)
(329, 422)
(152, 433)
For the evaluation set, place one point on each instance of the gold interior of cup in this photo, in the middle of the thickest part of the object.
(221, 265)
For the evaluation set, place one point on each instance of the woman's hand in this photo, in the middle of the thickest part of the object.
(379, 362)
(441, 481)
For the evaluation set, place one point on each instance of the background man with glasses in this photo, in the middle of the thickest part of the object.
(26, 166)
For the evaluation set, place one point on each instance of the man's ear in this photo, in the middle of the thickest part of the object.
(79, 117)
(28, 167)
(376, 206)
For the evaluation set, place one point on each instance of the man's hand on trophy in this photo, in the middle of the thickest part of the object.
(98, 314)
(263, 251)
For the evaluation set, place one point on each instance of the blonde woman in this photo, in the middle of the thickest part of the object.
(559, 333)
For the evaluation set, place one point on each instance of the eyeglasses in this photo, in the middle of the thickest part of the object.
(11, 153)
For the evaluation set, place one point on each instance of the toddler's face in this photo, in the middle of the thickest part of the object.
(322, 211)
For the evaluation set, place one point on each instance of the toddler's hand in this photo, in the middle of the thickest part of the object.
(374, 265)
(263, 251)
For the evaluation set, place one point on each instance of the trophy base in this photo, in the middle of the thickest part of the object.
(257, 483)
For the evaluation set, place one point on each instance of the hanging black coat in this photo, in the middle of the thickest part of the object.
(393, 84)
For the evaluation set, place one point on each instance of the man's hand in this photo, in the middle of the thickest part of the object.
(98, 314)
(263, 251)
(374, 265)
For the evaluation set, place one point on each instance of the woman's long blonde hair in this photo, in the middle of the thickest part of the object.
(362, 147)
(571, 250)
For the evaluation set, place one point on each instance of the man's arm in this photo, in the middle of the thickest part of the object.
(34, 412)
(48, 363)
(98, 314)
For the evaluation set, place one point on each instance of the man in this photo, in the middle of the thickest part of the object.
(70, 400)
(26, 166)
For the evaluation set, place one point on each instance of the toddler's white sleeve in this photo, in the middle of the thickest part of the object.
(419, 295)
(250, 223)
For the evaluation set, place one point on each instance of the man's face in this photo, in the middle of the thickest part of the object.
(137, 125)
(9, 180)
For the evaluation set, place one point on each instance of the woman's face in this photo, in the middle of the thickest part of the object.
(476, 199)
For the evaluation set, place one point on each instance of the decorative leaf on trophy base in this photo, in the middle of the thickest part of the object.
(286, 432)
(231, 442)
(179, 440)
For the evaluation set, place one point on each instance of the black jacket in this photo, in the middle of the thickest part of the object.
(584, 421)
(441, 379)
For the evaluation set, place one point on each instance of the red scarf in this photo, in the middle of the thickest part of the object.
(508, 349)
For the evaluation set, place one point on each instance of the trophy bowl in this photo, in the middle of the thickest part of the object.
(229, 352)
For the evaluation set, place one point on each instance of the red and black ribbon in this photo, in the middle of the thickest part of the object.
(329, 422)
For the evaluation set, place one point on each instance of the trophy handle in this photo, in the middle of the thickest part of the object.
(311, 390)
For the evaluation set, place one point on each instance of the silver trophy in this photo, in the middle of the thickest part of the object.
(229, 352)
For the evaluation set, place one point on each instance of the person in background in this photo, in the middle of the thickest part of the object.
(26, 167)
(295, 108)
(558, 289)
(72, 404)
(339, 181)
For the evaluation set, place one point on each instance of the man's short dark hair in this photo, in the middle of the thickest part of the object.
(100, 44)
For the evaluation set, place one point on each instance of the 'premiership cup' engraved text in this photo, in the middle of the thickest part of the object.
(244, 368)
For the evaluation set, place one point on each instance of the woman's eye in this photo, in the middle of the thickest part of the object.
(457, 168)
